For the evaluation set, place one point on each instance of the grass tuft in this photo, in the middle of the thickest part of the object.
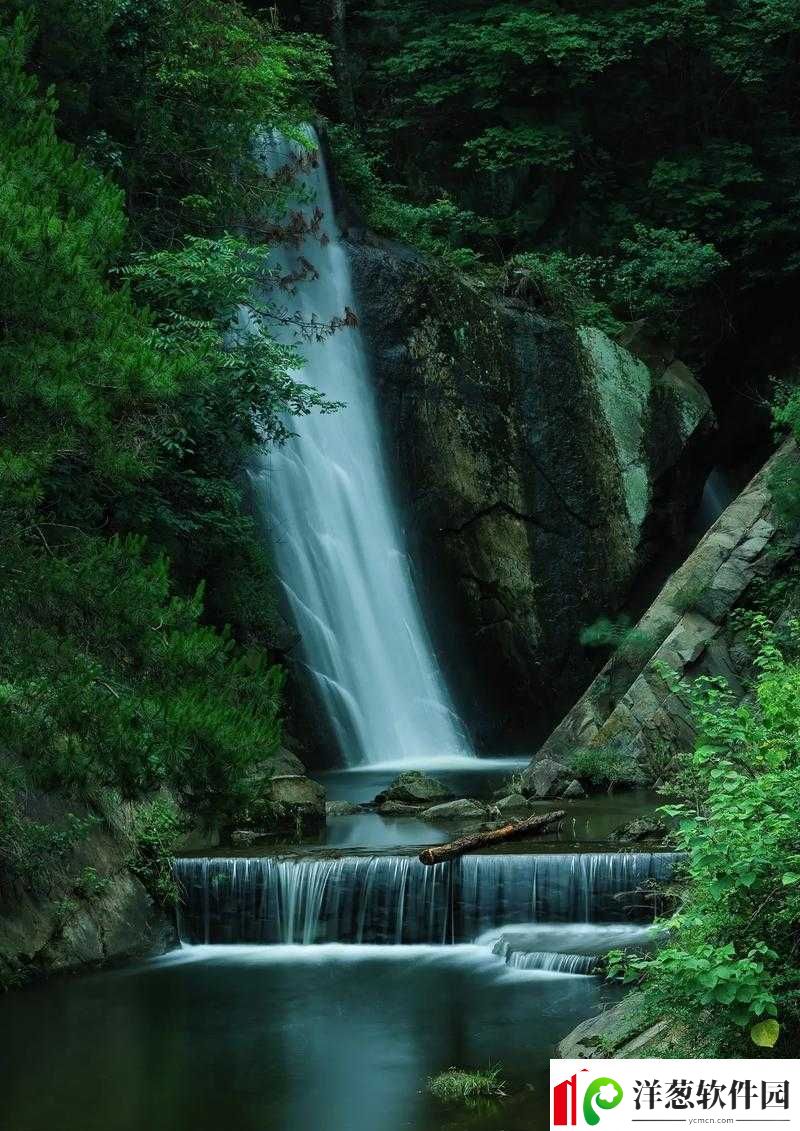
(459, 1084)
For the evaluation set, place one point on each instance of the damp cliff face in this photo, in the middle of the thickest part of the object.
(539, 469)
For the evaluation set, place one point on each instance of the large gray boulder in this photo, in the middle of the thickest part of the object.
(630, 708)
(532, 484)
(414, 788)
(461, 810)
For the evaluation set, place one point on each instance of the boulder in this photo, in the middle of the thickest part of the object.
(534, 490)
(574, 789)
(414, 788)
(287, 802)
(642, 828)
(282, 762)
(513, 803)
(461, 810)
(295, 803)
(546, 778)
(94, 909)
(621, 1031)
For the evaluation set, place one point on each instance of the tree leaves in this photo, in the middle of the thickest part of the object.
(765, 1034)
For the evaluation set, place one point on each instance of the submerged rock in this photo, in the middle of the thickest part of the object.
(342, 808)
(414, 788)
(399, 809)
(460, 810)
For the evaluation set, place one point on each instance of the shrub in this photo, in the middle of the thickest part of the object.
(604, 766)
(732, 960)
(156, 827)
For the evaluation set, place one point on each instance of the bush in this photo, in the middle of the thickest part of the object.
(156, 827)
(732, 958)
(604, 767)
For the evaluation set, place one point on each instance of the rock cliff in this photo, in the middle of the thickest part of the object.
(538, 468)
(629, 707)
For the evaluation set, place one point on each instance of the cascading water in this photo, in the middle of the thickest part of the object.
(396, 899)
(337, 541)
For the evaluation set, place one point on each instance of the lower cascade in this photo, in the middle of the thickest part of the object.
(398, 900)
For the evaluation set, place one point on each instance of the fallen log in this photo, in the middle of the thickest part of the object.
(530, 826)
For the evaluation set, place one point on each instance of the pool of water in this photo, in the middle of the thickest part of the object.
(588, 821)
(285, 1038)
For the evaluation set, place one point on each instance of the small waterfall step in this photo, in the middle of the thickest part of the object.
(396, 899)
(574, 949)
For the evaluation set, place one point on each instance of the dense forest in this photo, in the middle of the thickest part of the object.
(605, 162)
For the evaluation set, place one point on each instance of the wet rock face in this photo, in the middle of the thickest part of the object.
(630, 709)
(90, 908)
(531, 491)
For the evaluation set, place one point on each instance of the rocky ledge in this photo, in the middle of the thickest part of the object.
(631, 709)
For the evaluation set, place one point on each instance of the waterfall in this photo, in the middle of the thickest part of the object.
(396, 899)
(574, 949)
(337, 542)
(552, 961)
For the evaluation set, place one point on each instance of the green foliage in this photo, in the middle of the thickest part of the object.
(29, 849)
(461, 1085)
(731, 960)
(563, 285)
(617, 634)
(439, 228)
(662, 273)
(161, 699)
(129, 401)
(169, 96)
(156, 828)
(659, 135)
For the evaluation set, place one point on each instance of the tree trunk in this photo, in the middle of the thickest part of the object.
(530, 826)
(341, 61)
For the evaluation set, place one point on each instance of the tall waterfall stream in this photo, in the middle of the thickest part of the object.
(333, 523)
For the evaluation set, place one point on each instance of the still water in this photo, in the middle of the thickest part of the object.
(284, 1038)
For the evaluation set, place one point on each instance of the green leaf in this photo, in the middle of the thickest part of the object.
(765, 1034)
(790, 878)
